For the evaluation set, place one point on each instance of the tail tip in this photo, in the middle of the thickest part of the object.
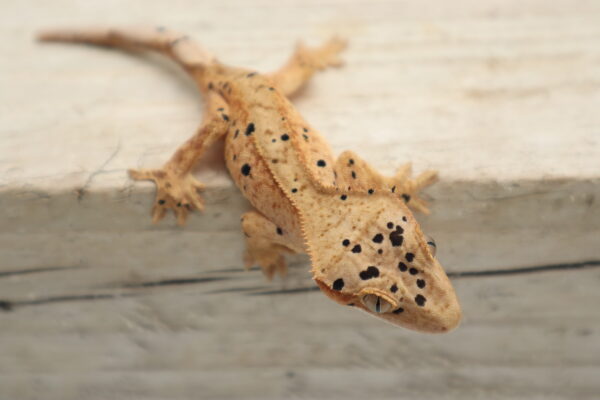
(45, 36)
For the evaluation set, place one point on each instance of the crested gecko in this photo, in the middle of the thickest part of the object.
(366, 248)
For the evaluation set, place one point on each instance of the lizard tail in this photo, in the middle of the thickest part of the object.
(178, 47)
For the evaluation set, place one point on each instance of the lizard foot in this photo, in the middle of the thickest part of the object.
(173, 191)
(408, 188)
(326, 55)
(270, 260)
(265, 244)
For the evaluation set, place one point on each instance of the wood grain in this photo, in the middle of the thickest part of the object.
(501, 96)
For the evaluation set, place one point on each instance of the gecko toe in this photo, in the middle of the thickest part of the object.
(182, 214)
(158, 213)
(425, 179)
(140, 174)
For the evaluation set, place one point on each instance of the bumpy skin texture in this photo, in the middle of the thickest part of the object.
(367, 249)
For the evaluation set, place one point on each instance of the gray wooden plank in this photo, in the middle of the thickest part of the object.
(500, 96)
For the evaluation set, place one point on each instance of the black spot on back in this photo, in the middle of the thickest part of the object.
(357, 249)
(321, 163)
(402, 267)
(378, 238)
(396, 237)
(285, 137)
(413, 271)
(420, 283)
(390, 225)
(246, 169)
(410, 257)
(250, 129)
(346, 242)
(338, 284)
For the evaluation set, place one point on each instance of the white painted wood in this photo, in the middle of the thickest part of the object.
(501, 96)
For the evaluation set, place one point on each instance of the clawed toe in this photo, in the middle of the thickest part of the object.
(333, 48)
(276, 265)
(425, 179)
(176, 192)
(327, 55)
(410, 188)
(271, 263)
(158, 212)
(140, 174)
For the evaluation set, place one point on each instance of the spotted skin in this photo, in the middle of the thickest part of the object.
(366, 248)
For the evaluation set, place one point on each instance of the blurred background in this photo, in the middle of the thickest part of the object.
(501, 97)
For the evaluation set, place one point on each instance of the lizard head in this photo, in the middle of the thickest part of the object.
(370, 253)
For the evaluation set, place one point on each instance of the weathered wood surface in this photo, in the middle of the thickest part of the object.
(502, 97)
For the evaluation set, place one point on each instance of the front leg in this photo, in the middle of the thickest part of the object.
(354, 174)
(266, 244)
(176, 188)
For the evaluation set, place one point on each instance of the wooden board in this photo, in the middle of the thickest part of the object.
(501, 96)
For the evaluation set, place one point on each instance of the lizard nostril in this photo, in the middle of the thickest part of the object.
(431, 244)
(376, 304)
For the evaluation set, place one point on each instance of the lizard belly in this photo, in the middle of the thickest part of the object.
(252, 176)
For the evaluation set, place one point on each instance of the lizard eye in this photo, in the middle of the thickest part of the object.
(376, 304)
(431, 244)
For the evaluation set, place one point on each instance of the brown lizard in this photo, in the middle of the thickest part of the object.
(366, 248)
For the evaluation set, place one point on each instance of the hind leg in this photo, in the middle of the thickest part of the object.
(305, 62)
(266, 244)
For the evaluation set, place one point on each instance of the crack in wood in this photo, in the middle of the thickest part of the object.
(286, 291)
(81, 191)
(526, 270)
(5, 274)
(173, 282)
(8, 305)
